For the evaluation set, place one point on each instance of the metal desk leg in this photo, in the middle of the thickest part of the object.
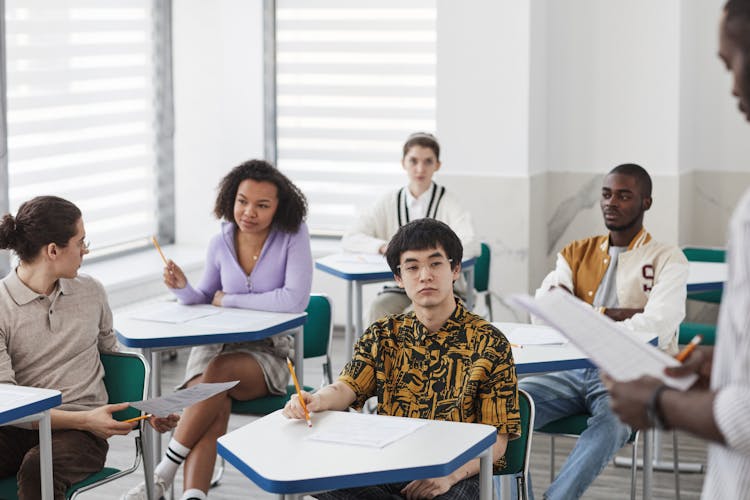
(358, 314)
(151, 440)
(299, 354)
(349, 332)
(45, 455)
(648, 464)
(485, 475)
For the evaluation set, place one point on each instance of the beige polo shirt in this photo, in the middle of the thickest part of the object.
(54, 341)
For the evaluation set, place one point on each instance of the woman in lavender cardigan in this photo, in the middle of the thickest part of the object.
(260, 260)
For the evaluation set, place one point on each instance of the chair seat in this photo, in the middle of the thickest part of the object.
(266, 404)
(574, 424)
(9, 487)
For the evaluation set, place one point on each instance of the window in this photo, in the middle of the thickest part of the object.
(84, 100)
(353, 80)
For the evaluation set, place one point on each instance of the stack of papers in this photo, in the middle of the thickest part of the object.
(531, 334)
(172, 312)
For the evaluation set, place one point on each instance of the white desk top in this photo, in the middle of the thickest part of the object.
(706, 276)
(275, 453)
(18, 401)
(230, 325)
(550, 358)
(362, 267)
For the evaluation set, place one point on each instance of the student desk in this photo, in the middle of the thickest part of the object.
(537, 359)
(23, 404)
(153, 336)
(275, 454)
(706, 276)
(358, 269)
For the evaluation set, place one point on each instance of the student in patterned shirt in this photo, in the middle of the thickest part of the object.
(437, 362)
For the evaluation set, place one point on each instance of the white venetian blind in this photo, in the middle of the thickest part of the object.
(354, 79)
(81, 125)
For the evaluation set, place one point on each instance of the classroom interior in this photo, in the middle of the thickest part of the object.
(533, 102)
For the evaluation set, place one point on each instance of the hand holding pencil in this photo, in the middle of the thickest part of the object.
(301, 396)
(174, 277)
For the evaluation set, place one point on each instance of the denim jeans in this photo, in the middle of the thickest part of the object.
(571, 392)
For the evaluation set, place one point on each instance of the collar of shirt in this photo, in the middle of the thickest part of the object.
(22, 294)
(455, 322)
(418, 205)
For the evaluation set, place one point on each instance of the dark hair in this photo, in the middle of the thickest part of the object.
(738, 22)
(422, 139)
(423, 234)
(292, 203)
(639, 173)
(39, 222)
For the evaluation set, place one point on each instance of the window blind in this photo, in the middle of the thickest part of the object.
(80, 112)
(353, 80)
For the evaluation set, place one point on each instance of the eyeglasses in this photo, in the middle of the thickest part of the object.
(412, 269)
(84, 245)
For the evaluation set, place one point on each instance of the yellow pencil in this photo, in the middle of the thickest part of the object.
(299, 392)
(156, 244)
(135, 419)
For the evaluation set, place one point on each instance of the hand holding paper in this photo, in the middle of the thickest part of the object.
(606, 343)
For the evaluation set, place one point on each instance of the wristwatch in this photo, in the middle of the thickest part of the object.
(653, 409)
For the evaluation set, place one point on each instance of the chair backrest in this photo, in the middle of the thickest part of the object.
(482, 270)
(518, 451)
(126, 379)
(703, 254)
(319, 326)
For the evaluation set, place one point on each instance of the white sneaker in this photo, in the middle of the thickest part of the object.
(139, 492)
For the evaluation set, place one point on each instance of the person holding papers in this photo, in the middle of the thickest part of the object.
(716, 408)
(631, 278)
(54, 323)
(421, 197)
(261, 260)
(438, 362)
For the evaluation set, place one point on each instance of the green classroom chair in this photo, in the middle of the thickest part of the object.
(573, 426)
(482, 277)
(318, 330)
(126, 379)
(518, 451)
(702, 254)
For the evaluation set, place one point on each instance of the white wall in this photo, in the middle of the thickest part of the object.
(218, 99)
(535, 100)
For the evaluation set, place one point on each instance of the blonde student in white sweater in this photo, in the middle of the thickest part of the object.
(420, 198)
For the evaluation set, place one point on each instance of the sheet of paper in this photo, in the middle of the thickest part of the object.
(531, 334)
(229, 320)
(172, 403)
(371, 431)
(608, 345)
(11, 399)
(362, 258)
(171, 312)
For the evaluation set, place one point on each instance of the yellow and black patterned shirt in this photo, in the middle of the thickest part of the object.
(463, 373)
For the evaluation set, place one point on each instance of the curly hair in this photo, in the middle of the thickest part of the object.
(292, 207)
(39, 222)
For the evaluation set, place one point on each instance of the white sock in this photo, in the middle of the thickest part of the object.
(193, 493)
(173, 458)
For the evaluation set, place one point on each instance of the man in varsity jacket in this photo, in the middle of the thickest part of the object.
(420, 198)
(631, 278)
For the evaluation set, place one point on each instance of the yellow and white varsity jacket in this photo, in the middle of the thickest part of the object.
(650, 275)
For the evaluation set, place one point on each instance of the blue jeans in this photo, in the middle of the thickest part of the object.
(560, 394)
